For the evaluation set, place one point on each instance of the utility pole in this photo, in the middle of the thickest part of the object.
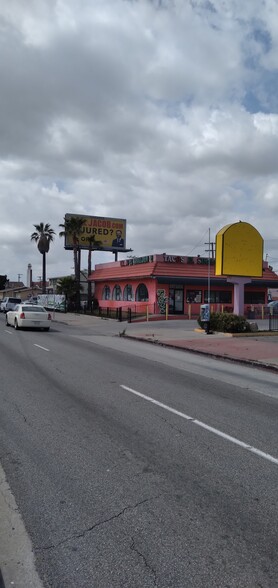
(19, 277)
(209, 244)
(211, 249)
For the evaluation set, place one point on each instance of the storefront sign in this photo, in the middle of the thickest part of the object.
(190, 260)
(137, 260)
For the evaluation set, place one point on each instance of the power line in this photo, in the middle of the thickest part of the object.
(201, 241)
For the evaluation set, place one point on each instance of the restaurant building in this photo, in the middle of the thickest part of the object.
(181, 282)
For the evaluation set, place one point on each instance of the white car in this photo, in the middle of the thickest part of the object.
(30, 316)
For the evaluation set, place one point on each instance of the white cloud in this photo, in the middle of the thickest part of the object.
(163, 113)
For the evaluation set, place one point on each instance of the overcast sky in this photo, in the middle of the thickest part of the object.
(162, 112)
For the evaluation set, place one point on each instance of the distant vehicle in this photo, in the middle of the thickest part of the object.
(9, 303)
(2, 304)
(33, 300)
(52, 301)
(273, 305)
(29, 316)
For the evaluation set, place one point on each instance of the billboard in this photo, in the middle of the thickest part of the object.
(239, 251)
(110, 232)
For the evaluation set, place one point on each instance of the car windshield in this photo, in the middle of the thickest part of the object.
(33, 309)
(15, 300)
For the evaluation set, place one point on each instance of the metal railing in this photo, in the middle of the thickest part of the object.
(122, 313)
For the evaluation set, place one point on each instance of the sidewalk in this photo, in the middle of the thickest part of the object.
(258, 349)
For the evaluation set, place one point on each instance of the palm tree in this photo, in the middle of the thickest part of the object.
(43, 235)
(93, 244)
(72, 227)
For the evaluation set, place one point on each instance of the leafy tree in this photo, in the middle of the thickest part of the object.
(93, 244)
(43, 235)
(3, 282)
(73, 227)
(68, 286)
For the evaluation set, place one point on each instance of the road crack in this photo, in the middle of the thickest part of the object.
(17, 408)
(147, 565)
(82, 534)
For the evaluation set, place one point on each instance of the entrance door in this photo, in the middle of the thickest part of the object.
(176, 300)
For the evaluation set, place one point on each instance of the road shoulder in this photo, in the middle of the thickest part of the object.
(17, 561)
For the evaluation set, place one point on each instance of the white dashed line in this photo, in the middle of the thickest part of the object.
(250, 448)
(9, 332)
(44, 348)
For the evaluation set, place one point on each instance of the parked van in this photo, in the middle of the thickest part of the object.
(9, 303)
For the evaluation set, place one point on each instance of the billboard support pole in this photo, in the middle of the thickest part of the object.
(78, 279)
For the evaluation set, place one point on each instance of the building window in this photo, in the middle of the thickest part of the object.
(106, 295)
(194, 296)
(218, 297)
(254, 298)
(117, 293)
(128, 292)
(142, 294)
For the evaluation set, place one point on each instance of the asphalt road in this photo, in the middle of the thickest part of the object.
(118, 491)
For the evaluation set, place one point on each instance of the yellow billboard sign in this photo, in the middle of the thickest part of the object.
(109, 233)
(239, 251)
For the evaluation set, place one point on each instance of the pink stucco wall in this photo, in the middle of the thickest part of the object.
(152, 303)
(149, 283)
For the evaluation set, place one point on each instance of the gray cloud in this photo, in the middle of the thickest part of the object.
(138, 110)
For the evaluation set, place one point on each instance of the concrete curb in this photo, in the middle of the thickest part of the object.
(251, 334)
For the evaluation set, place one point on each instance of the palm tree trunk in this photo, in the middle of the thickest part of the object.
(75, 262)
(78, 278)
(89, 298)
(44, 273)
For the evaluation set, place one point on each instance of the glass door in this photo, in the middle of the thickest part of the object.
(176, 300)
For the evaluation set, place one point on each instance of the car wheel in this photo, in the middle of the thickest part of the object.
(16, 324)
(46, 329)
(7, 323)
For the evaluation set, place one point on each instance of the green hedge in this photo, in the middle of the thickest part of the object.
(225, 322)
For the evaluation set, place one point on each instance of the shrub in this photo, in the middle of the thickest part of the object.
(225, 322)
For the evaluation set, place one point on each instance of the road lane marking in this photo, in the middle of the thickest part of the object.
(217, 432)
(9, 332)
(44, 348)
